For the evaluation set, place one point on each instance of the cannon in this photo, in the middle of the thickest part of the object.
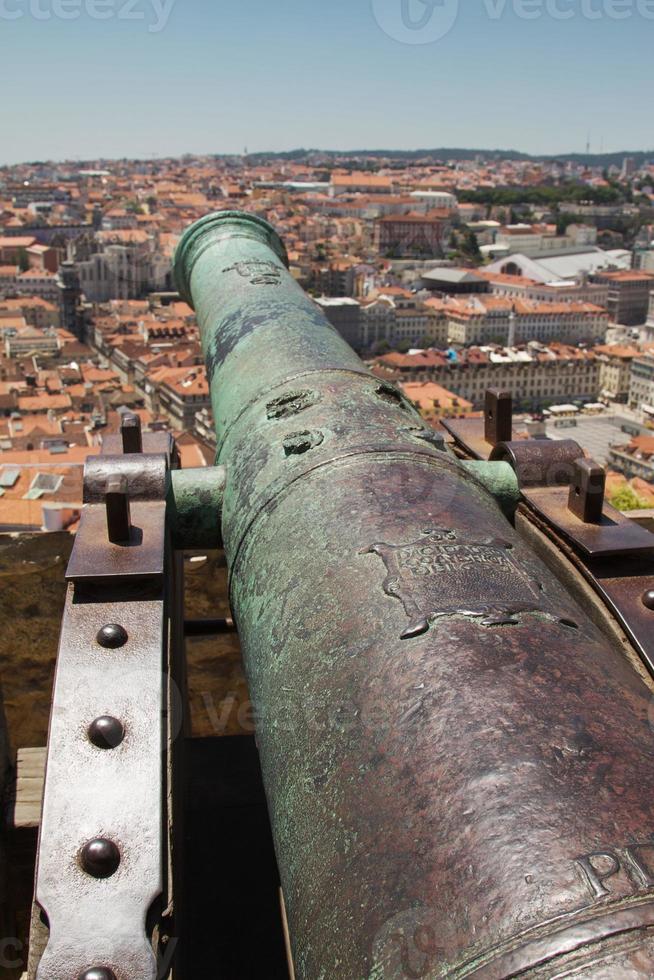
(447, 644)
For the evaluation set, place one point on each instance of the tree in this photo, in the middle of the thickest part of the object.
(23, 260)
(626, 499)
(470, 246)
(563, 221)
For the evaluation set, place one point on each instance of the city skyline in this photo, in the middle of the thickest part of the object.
(442, 153)
(158, 78)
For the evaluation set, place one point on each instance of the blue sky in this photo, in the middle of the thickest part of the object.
(219, 75)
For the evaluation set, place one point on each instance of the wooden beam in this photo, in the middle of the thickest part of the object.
(25, 792)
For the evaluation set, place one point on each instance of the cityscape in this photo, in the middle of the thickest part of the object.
(326, 490)
(449, 272)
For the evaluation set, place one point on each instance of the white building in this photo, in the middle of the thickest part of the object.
(436, 199)
(546, 266)
(647, 332)
(641, 387)
(486, 319)
(399, 319)
(30, 340)
(123, 272)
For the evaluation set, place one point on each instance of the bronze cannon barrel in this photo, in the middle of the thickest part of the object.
(458, 763)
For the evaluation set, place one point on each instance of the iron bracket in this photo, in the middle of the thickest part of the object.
(103, 858)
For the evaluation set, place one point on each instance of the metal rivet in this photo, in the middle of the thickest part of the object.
(100, 858)
(106, 732)
(98, 973)
(648, 599)
(112, 635)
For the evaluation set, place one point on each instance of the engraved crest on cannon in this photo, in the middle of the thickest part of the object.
(441, 575)
(259, 273)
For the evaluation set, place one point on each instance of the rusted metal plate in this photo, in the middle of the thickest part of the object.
(625, 585)
(626, 589)
(613, 535)
(110, 794)
(95, 558)
(469, 434)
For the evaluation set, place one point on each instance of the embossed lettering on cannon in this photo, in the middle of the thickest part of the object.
(635, 860)
(259, 273)
(442, 574)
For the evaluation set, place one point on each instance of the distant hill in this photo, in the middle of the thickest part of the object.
(445, 154)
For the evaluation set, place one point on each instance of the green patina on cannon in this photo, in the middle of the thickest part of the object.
(457, 760)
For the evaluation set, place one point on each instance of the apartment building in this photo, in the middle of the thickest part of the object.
(35, 282)
(414, 234)
(634, 459)
(126, 270)
(580, 290)
(615, 361)
(397, 317)
(344, 314)
(648, 332)
(182, 393)
(628, 295)
(30, 340)
(641, 384)
(11, 248)
(434, 402)
(483, 319)
(335, 279)
(360, 183)
(532, 239)
(37, 312)
(537, 375)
